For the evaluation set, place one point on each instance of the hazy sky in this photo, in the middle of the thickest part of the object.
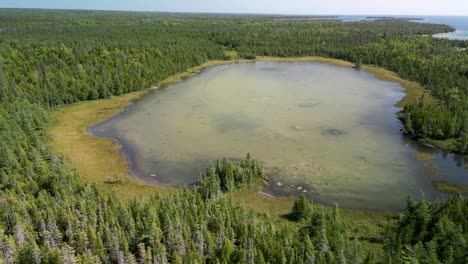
(380, 7)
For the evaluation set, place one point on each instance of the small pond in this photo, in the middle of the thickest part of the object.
(327, 131)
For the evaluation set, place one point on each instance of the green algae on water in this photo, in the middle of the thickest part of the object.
(451, 187)
(432, 173)
(424, 156)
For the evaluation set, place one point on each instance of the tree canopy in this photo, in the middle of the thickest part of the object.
(49, 214)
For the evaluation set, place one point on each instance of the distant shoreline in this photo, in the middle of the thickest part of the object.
(444, 35)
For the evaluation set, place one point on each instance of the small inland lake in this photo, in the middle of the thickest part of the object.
(327, 131)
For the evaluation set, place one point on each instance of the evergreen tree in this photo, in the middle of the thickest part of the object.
(302, 209)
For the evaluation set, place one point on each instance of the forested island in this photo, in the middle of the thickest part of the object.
(50, 214)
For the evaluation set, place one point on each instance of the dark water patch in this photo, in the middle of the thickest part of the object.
(270, 69)
(363, 159)
(309, 105)
(273, 171)
(332, 132)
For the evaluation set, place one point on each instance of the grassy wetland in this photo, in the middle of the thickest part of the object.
(69, 126)
(118, 178)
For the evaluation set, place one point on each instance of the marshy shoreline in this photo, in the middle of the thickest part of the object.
(108, 150)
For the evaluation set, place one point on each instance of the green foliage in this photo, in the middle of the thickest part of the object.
(430, 233)
(61, 57)
(249, 56)
(48, 214)
(302, 209)
(358, 64)
(227, 177)
(438, 66)
(434, 120)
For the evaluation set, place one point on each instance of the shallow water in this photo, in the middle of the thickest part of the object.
(325, 130)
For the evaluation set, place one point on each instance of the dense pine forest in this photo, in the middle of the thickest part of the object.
(48, 214)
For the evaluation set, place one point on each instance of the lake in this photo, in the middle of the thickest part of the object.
(460, 23)
(327, 131)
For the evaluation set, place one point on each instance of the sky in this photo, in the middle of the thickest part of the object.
(312, 7)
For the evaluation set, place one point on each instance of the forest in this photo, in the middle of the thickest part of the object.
(49, 214)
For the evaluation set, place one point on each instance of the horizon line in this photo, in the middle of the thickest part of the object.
(222, 13)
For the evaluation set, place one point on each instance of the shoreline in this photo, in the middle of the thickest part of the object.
(98, 160)
(103, 161)
(454, 35)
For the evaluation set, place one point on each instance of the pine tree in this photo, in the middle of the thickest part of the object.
(309, 251)
(302, 209)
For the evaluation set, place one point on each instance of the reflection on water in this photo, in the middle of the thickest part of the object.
(323, 130)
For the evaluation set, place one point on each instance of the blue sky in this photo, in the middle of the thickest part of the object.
(378, 7)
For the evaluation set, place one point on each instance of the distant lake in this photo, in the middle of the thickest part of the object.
(326, 131)
(460, 23)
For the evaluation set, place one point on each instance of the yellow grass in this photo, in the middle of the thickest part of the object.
(424, 156)
(306, 59)
(258, 202)
(431, 165)
(413, 90)
(450, 187)
(432, 173)
(450, 144)
(98, 159)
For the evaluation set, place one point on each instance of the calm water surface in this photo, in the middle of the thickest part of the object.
(323, 130)
(460, 23)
